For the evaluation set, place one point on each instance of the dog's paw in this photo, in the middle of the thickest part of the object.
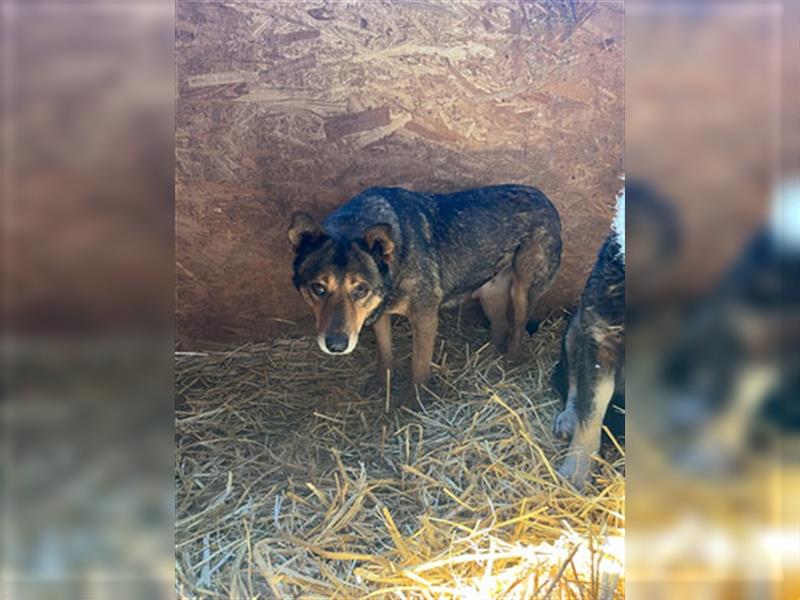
(514, 353)
(418, 397)
(375, 385)
(405, 395)
(564, 425)
(575, 470)
(500, 341)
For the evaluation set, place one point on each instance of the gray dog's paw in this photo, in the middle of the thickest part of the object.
(375, 385)
(575, 470)
(564, 425)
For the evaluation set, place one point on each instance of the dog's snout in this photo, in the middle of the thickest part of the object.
(336, 342)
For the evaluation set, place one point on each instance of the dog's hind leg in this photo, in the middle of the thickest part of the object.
(567, 419)
(494, 297)
(534, 267)
(519, 303)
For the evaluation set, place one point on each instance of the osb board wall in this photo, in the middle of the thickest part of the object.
(299, 106)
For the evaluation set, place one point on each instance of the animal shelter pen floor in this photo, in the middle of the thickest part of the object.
(290, 484)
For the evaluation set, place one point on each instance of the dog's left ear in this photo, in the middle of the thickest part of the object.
(379, 237)
(302, 225)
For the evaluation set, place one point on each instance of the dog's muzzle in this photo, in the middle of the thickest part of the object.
(337, 343)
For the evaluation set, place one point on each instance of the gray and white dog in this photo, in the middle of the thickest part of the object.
(593, 354)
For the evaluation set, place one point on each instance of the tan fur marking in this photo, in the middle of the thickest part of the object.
(519, 304)
(423, 330)
(494, 297)
(400, 308)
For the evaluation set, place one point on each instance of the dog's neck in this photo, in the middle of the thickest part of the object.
(388, 294)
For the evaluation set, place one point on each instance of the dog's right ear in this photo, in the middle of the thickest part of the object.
(303, 225)
(379, 237)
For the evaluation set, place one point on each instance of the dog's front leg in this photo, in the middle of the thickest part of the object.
(423, 329)
(383, 338)
(590, 408)
(378, 382)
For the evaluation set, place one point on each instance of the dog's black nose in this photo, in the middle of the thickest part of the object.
(336, 342)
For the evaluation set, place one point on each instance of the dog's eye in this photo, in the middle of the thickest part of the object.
(318, 289)
(360, 291)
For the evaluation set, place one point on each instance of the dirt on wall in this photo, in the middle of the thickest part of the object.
(299, 106)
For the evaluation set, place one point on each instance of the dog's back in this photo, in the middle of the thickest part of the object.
(470, 235)
(479, 231)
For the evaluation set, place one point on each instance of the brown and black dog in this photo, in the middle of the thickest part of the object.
(392, 251)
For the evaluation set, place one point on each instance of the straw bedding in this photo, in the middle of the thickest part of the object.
(292, 484)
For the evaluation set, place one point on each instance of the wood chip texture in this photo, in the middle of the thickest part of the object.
(287, 106)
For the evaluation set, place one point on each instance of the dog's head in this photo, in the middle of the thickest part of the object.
(344, 281)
